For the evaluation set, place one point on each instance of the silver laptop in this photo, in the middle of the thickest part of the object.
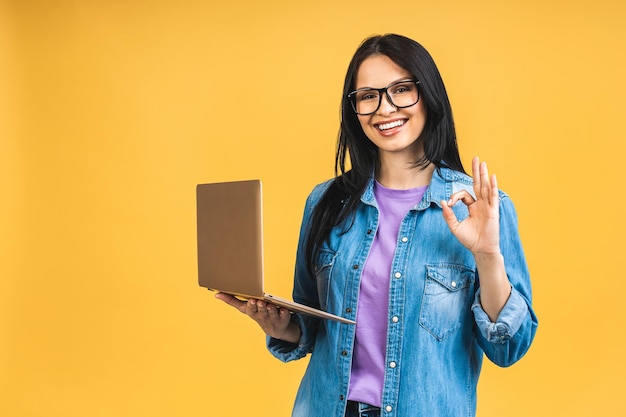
(230, 243)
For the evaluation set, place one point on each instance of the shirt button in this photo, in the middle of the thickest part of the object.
(392, 365)
(453, 283)
(344, 353)
(397, 275)
(355, 266)
(348, 310)
(388, 409)
(395, 319)
(369, 231)
(405, 239)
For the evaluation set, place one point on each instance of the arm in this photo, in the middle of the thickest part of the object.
(480, 233)
(502, 307)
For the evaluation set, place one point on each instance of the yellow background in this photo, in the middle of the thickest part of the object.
(111, 111)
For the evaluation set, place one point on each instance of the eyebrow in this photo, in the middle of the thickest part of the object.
(391, 83)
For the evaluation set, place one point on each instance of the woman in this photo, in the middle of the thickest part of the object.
(432, 284)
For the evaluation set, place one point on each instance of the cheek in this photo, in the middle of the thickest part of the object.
(367, 128)
(420, 117)
(364, 121)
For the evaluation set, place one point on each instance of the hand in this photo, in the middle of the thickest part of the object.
(480, 232)
(275, 322)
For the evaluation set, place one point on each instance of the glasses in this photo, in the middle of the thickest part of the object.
(401, 94)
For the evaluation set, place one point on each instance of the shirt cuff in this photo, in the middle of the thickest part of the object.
(508, 322)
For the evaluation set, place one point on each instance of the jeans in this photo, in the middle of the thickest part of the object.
(356, 409)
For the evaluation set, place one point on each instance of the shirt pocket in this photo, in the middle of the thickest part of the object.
(323, 270)
(448, 296)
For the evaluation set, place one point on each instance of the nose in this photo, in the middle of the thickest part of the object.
(386, 107)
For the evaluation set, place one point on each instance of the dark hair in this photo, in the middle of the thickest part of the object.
(342, 197)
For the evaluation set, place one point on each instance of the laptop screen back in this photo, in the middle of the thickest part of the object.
(230, 237)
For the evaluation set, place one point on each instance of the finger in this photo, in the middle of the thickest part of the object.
(463, 196)
(495, 197)
(449, 216)
(489, 185)
(284, 313)
(485, 186)
(255, 307)
(273, 312)
(231, 300)
(476, 175)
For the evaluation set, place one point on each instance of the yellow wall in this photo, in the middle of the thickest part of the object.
(111, 111)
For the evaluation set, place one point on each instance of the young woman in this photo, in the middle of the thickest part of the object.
(426, 259)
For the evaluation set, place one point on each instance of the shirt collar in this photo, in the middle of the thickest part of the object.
(443, 184)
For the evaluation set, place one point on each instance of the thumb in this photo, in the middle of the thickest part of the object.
(449, 216)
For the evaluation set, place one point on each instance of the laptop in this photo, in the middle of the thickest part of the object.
(230, 244)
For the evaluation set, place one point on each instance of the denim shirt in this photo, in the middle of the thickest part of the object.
(437, 330)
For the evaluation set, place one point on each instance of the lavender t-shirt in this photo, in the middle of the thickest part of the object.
(368, 361)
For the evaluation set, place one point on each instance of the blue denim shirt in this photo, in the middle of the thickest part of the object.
(437, 332)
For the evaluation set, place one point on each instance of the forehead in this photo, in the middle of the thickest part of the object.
(379, 71)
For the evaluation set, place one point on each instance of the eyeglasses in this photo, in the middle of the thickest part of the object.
(400, 94)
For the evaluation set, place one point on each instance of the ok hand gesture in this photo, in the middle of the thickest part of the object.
(480, 232)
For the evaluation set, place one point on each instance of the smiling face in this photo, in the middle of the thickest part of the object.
(393, 130)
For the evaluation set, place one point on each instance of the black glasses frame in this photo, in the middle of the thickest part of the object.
(352, 96)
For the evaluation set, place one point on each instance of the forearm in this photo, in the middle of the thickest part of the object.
(494, 283)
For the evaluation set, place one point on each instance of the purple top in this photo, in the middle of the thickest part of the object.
(368, 362)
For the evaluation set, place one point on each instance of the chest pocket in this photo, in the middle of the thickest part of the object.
(448, 296)
(323, 270)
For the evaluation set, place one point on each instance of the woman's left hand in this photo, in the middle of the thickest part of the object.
(480, 232)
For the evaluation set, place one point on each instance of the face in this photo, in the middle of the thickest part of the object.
(391, 129)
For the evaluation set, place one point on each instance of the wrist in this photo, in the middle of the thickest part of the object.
(488, 257)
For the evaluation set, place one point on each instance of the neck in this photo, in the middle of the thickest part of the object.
(404, 176)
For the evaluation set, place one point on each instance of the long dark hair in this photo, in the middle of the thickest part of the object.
(342, 197)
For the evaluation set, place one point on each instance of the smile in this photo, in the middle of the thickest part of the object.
(390, 125)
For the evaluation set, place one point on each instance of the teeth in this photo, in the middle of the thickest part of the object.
(391, 125)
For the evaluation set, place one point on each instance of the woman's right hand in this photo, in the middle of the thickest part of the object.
(275, 321)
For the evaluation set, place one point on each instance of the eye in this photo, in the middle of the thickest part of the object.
(403, 88)
(367, 95)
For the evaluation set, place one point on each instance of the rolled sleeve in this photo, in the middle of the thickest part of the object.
(509, 321)
(506, 340)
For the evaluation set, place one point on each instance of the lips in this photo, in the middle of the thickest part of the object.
(390, 125)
